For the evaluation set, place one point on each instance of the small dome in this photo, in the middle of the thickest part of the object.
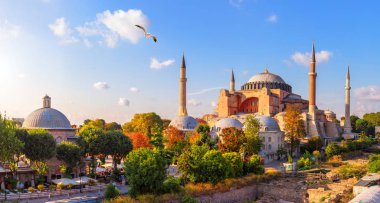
(184, 123)
(267, 123)
(47, 118)
(228, 123)
(266, 77)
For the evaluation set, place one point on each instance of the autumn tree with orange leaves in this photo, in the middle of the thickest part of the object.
(232, 140)
(172, 136)
(139, 140)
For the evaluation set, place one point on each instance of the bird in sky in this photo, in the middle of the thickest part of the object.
(147, 35)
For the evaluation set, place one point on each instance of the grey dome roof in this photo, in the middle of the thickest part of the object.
(184, 123)
(266, 77)
(267, 123)
(47, 118)
(228, 123)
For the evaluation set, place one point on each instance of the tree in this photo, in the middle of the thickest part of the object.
(146, 171)
(121, 146)
(87, 135)
(353, 119)
(112, 126)
(254, 165)
(10, 145)
(314, 143)
(214, 167)
(372, 118)
(294, 127)
(143, 123)
(362, 126)
(251, 130)
(201, 135)
(111, 192)
(156, 139)
(333, 149)
(235, 163)
(232, 140)
(165, 123)
(69, 153)
(190, 163)
(139, 140)
(172, 136)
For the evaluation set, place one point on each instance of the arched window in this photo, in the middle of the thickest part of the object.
(269, 147)
(269, 139)
(266, 129)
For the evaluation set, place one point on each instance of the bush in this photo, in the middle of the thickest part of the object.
(60, 186)
(190, 163)
(52, 187)
(31, 189)
(374, 163)
(171, 185)
(145, 171)
(333, 149)
(214, 167)
(111, 192)
(235, 163)
(352, 170)
(254, 165)
(306, 161)
(41, 187)
(188, 199)
(91, 182)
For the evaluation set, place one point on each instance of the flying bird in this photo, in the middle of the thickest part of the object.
(147, 35)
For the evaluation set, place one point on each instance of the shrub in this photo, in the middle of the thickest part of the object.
(190, 163)
(214, 167)
(290, 159)
(314, 143)
(188, 199)
(70, 185)
(91, 182)
(374, 163)
(306, 161)
(31, 189)
(60, 186)
(333, 149)
(145, 171)
(52, 187)
(254, 165)
(111, 192)
(171, 185)
(352, 170)
(41, 187)
(235, 163)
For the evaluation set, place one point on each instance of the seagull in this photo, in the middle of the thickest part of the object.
(147, 35)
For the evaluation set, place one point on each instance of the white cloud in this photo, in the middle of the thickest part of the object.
(205, 90)
(101, 85)
(123, 102)
(134, 89)
(272, 18)
(214, 104)
(8, 31)
(155, 64)
(61, 29)
(369, 93)
(304, 58)
(194, 102)
(117, 25)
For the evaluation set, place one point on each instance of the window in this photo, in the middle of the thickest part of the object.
(269, 147)
(269, 139)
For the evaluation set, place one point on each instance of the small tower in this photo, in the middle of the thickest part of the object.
(182, 88)
(232, 82)
(46, 102)
(347, 122)
(312, 84)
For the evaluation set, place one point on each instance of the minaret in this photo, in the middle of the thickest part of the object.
(312, 84)
(182, 88)
(46, 101)
(232, 82)
(347, 122)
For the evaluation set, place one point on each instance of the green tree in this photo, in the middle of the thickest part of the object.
(232, 140)
(202, 131)
(333, 149)
(121, 146)
(353, 119)
(314, 143)
(156, 138)
(214, 167)
(111, 192)
(294, 127)
(251, 130)
(143, 123)
(190, 162)
(372, 118)
(254, 165)
(362, 126)
(69, 153)
(235, 163)
(112, 126)
(10, 145)
(145, 171)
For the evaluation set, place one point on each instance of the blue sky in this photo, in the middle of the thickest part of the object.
(94, 63)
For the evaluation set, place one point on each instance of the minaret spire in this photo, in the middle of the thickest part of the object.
(347, 121)
(182, 88)
(232, 82)
(312, 84)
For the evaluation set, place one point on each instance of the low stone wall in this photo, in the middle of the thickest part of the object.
(245, 194)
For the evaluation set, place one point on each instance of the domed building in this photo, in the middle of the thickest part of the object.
(223, 123)
(52, 120)
(265, 93)
(184, 123)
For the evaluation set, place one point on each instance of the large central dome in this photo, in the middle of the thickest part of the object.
(47, 118)
(266, 77)
(266, 80)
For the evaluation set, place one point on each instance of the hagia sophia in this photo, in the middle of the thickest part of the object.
(267, 96)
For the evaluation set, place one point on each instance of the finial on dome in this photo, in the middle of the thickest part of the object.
(266, 69)
(46, 101)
